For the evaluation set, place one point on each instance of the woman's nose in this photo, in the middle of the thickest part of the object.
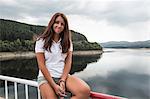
(59, 24)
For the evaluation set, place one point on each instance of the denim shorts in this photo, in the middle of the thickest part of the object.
(41, 80)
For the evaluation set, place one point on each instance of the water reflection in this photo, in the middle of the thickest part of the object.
(28, 69)
(122, 72)
(122, 83)
(21, 68)
(81, 62)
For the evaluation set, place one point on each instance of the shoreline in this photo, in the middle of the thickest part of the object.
(31, 54)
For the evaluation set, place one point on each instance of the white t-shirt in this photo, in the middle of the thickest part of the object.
(54, 60)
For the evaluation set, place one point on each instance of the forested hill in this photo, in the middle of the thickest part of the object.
(17, 36)
(125, 44)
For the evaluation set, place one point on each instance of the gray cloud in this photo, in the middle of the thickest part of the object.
(128, 19)
(116, 12)
(124, 13)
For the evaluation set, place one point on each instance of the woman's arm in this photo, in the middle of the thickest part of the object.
(41, 64)
(68, 60)
(67, 66)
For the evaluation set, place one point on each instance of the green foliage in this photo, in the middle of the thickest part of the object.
(84, 45)
(11, 30)
(78, 36)
(80, 42)
(16, 45)
(16, 36)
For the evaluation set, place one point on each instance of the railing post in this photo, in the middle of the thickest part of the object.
(26, 90)
(15, 85)
(39, 95)
(6, 90)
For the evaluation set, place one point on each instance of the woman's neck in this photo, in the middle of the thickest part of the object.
(56, 38)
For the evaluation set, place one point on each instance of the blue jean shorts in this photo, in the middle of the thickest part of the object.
(41, 80)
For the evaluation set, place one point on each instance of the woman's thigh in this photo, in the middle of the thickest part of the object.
(76, 85)
(47, 91)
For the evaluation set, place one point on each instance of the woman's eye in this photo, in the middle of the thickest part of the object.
(62, 24)
(58, 22)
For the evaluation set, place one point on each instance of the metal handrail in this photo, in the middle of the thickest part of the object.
(21, 81)
(93, 95)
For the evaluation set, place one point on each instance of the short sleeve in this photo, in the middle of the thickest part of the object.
(71, 46)
(39, 46)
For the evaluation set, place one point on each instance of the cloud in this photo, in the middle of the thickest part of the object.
(115, 11)
(128, 19)
(124, 13)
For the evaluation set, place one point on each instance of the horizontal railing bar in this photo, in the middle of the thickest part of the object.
(18, 80)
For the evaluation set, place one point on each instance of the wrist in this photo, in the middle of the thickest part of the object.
(54, 85)
(62, 80)
(63, 77)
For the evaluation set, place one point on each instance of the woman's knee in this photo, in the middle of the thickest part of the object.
(77, 86)
(48, 95)
(85, 90)
(47, 92)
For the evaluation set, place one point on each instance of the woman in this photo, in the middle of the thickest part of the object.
(54, 56)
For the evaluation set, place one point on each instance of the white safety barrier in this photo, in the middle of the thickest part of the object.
(20, 81)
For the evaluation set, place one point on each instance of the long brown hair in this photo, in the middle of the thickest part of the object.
(48, 34)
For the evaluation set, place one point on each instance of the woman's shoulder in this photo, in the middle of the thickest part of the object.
(40, 40)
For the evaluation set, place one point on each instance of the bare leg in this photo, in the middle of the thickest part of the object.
(47, 91)
(77, 87)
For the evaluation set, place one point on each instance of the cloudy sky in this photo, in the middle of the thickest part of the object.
(98, 20)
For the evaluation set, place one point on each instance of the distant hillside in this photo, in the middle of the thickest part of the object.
(17, 36)
(12, 30)
(125, 44)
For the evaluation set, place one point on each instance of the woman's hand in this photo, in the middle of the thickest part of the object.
(59, 91)
(62, 84)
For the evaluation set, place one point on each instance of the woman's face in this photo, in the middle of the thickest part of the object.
(58, 25)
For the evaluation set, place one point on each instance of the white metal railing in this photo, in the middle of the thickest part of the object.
(93, 95)
(20, 81)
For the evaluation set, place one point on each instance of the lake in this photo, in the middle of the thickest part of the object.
(121, 72)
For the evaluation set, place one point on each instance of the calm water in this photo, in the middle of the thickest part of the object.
(122, 72)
